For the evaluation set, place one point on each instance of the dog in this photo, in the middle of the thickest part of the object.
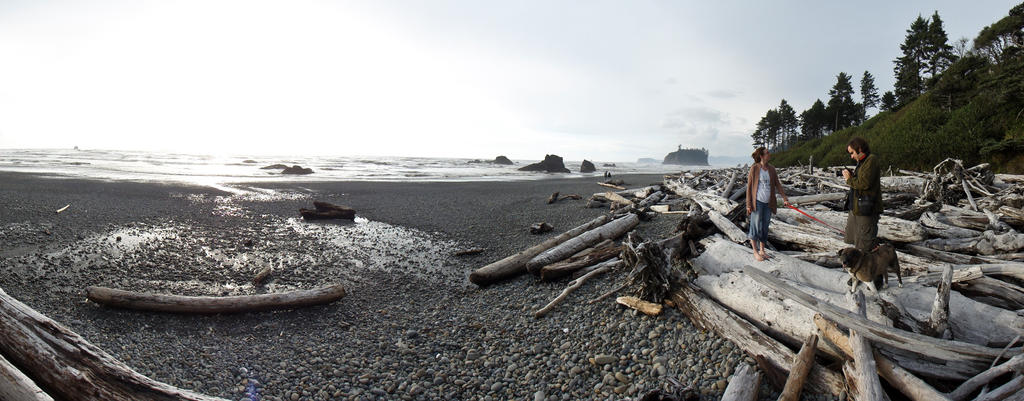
(872, 267)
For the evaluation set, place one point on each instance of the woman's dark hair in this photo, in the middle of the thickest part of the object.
(757, 154)
(859, 144)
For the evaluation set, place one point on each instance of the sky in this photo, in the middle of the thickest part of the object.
(597, 80)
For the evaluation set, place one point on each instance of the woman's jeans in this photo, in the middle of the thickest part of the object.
(759, 220)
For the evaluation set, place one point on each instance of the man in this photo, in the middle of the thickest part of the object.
(865, 200)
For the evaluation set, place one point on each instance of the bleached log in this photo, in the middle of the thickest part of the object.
(868, 386)
(647, 308)
(802, 365)
(966, 388)
(964, 218)
(515, 265)
(63, 208)
(936, 227)
(573, 285)
(967, 355)
(707, 314)
(233, 304)
(612, 186)
(938, 325)
(650, 200)
(617, 199)
(14, 385)
(68, 366)
(728, 187)
(913, 301)
(1013, 216)
(988, 243)
(612, 230)
(911, 184)
(994, 292)
(904, 381)
(959, 275)
(743, 384)
(566, 267)
(705, 200)
(727, 227)
(812, 199)
(889, 228)
(948, 257)
(970, 198)
(820, 240)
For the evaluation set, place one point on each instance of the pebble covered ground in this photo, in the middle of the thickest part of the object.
(411, 327)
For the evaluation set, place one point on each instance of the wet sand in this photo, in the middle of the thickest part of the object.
(411, 326)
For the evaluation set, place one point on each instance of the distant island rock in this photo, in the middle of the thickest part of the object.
(274, 167)
(297, 170)
(551, 164)
(502, 160)
(608, 165)
(587, 167)
(646, 160)
(687, 157)
(249, 161)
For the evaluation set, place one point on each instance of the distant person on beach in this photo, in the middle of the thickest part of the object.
(762, 186)
(865, 199)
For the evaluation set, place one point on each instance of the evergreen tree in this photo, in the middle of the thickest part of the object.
(840, 103)
(814, 121)
(888, 101)
(868, 92)
(909, 83)
(1003, 39)
(788, 124)
(937, 49)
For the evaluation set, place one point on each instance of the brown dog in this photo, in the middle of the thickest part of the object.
(872, 267)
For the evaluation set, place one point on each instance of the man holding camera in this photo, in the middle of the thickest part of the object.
(865, 199)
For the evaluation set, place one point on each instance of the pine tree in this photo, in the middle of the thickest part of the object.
(909, 83)
(840, 103)
(868, 92)
(938, 52)
(888, 101)
(814, 121)
(788, 124)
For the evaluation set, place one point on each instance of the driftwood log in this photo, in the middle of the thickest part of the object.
(582, 259)
(515, 265)
(801, 367)
(573, 285)
(15, 386)
(233, 304)
(71, 368)
(743, 384)
(612, 230)
(324, 211)
(647, 308)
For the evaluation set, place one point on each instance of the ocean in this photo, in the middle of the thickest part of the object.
(222, 170)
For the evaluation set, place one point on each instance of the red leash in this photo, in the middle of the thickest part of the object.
(815, 219)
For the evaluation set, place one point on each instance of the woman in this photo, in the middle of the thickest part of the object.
(762, 185)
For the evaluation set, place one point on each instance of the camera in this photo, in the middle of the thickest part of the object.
(839, 172)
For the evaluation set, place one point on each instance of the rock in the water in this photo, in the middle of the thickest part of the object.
(296, 169)
(687, 157)
(587, 167)
(551, 164)
(326, 211)
(608, 165)
(274, 167)
(502, 160)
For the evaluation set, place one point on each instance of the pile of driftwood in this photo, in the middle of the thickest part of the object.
(951, 332)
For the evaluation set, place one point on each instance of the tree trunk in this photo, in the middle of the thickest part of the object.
(234, 304)
(70, 367)
(801, 366)
(515, 265)
(743, 385)
(710, 315)
(612, 230)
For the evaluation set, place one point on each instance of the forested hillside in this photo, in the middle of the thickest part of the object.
(963, 100)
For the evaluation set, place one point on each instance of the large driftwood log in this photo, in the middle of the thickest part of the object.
(972, 355)
(904, 381)
(936, 227)
(889, 228)
(727, 227)
(801, 367)
(15, 386)
(743, 384)
(812, 199)
(913, 302)
(1011, 391)
(612, 230)
(938, 325)
(515, 265)
(70, 367)
(233, 304)
(710, 315)
(704, 199)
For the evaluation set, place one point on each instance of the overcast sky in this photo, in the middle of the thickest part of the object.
(601, 80)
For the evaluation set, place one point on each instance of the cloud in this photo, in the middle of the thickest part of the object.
(723, 94)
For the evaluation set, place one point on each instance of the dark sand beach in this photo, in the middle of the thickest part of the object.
(410, 327)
